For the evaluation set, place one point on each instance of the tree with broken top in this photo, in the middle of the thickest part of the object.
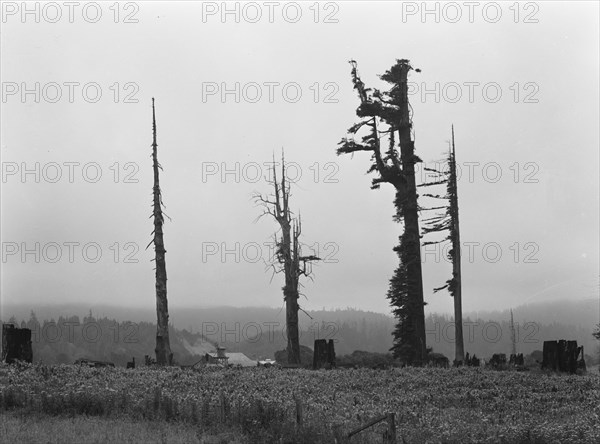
(288, 255)
(449, 221)
(163, 346)
(388, 115)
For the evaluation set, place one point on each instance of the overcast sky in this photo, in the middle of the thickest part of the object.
(520, 85)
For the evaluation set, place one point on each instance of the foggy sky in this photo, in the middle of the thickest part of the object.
(523, 98)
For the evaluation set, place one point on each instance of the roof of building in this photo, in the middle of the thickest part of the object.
(240, 359)
(234, 359)
(215, 355)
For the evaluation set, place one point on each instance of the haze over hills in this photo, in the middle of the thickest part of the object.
(259, 332)
(583, 313)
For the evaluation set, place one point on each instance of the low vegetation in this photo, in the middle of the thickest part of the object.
(19, 428)
(258, 404)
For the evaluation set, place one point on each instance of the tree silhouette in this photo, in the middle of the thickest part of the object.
(288, 255)
(388, 115)
(449, 221)
(163, 346)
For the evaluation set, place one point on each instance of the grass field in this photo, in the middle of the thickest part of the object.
(18, 427)
(78, 404)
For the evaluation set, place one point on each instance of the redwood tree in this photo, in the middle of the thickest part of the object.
(288, 256)
(163, 346)
(387, 115)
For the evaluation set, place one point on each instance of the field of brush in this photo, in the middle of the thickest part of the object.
(282, 405)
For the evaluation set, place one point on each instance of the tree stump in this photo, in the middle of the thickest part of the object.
(324, 354)
(16, 344)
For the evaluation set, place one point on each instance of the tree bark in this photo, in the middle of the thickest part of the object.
(291, 320)
(411, 222)
(406, 286)
(163, 346)
(290, 266)
(288, 255)
(459, 351)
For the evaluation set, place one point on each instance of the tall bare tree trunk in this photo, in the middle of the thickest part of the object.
(293, 338)
(163, 346)
(290, 290)
(450, 221)
(459, 351)
(513, 335)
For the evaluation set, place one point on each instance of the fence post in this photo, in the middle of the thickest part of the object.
(338, 434)
(392, 424)
(222, 395)
(298, 409)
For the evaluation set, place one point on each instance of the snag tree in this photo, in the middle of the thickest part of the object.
(596, 334)
(513, 335)
(163, 345)
(448, 221)
(288, 255)
(387, 115)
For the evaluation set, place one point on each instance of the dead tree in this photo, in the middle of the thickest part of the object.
(288, 255)
(163, 346)
(323, 354)
(562, 356)
(387, 114)
(513, 335)
(596, 335)
(449, 221)
(16, 344)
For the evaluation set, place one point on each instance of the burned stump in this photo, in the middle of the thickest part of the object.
(472, 361)
(437, 360)
(16, 344)
(562, 356)
(498, 361)
(517, 360)
(324, 354)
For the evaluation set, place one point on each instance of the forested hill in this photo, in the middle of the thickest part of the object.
(581, 312)
(121, 333)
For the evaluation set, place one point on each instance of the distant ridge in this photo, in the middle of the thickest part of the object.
(582, 313)
(259, 332)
